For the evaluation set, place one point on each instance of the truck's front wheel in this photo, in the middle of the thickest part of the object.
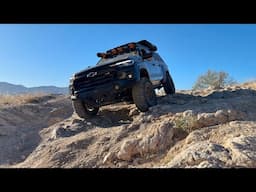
(144, 95)
(83, 110)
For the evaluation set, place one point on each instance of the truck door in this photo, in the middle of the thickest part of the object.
(154, 68)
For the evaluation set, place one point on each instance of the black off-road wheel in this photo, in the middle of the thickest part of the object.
(83, 110)
(169, 87)
(144, 95)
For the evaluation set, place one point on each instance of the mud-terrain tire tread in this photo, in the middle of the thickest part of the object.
(140, 98)
(81, 109)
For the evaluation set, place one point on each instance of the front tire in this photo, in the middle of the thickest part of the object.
(83, 110)
(144, 95)
(169, 87)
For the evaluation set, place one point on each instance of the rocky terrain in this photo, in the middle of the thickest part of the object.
(200, 129)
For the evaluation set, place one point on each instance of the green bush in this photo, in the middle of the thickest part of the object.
(187, 123)
(213, 79)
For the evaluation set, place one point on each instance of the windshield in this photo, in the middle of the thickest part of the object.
(124, 56)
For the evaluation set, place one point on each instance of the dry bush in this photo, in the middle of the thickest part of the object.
(250, 84)
(213, 79)
(187, 123)
(6, 99)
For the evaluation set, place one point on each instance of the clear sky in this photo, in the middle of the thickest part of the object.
(48, 54)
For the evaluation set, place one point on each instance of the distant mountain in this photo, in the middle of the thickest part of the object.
(8, 88)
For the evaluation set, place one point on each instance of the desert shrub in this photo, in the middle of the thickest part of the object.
(250, 84)
(6, 99)
(213, 79)
(187, 123)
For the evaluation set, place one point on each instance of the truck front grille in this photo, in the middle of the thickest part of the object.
(99, 78)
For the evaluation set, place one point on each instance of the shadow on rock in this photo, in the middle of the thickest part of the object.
(109, 118)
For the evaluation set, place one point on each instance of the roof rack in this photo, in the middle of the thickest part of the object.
(127, 48)
(148, 44)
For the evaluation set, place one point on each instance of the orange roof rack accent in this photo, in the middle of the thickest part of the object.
(114, 51)
(131, 45)
(120, 49)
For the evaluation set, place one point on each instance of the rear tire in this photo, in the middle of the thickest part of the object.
(169, 87)
(143, 94)
(83, 110)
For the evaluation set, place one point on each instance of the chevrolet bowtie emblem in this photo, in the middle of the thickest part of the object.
(91, 74)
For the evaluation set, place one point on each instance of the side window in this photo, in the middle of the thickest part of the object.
(158, 58)
(146, 54)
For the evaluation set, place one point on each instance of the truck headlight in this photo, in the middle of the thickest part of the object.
(71, 81)
(130, 76)
(123, 63)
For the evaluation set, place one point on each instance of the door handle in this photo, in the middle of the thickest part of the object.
(155, 64)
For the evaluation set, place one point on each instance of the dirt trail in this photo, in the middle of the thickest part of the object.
(210, 128)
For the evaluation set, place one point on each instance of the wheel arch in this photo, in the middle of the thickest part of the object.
(165, 76)
(144, 73)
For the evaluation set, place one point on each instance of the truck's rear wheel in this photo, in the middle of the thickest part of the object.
(169, 87)
(144, 95)
(83, 110)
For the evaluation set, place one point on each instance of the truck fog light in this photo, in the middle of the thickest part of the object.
(129, 76)
(116, 87)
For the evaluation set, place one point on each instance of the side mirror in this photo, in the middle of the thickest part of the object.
(153, 48)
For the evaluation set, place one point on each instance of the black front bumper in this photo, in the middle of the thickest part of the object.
(110, 85)
(105, 94)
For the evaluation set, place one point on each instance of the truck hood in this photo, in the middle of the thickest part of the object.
(102, 66)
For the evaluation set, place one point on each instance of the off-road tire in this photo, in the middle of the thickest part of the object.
(82, 110)
(143, 94)
(169, 87)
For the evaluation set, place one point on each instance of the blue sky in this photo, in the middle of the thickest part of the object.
(48, 54)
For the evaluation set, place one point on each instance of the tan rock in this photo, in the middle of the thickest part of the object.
(128, 149)
(221, 116)
(201, 154)
(109, 158)
(243, 150)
